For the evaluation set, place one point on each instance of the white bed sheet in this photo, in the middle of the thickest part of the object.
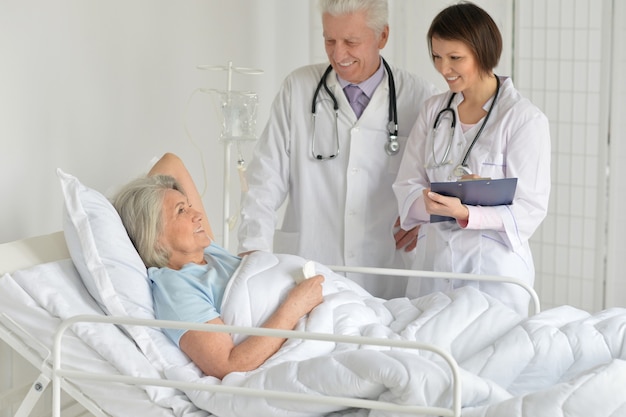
(562, 362)
(38, 298)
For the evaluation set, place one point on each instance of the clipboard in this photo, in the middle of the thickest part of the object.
(478, 192)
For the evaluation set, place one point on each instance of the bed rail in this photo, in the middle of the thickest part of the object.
(59, 374)
(534, 298)
(40, 357)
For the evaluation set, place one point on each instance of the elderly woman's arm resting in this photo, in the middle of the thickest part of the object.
(175, 232)
(216, 355)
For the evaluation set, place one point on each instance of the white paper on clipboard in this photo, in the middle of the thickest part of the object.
(479, 192)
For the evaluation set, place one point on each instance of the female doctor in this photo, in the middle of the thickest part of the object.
(482, 127)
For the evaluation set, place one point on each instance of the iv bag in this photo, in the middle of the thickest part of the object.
(238, 115)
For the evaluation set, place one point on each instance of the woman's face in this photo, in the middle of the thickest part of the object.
(182, 234)
(352, 47)
(456, 62)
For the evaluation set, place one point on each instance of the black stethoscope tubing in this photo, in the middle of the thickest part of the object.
(392, 146)
(321, 83)
(449, 108)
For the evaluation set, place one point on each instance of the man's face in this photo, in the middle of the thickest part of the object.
(352, 47)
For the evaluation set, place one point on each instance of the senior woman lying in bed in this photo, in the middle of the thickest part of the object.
(511, 365)
(165, 219)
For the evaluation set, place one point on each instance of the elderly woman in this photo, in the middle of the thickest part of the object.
(165, 219)
(504, 359)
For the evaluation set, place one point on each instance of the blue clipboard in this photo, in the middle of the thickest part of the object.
(479, 192)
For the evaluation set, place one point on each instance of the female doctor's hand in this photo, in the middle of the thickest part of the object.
(445, 206)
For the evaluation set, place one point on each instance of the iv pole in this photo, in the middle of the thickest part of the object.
(228, 141)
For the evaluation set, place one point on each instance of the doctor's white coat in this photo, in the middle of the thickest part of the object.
(339, 211)
(515, 143)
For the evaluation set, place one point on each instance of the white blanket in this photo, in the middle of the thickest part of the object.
(561, 362)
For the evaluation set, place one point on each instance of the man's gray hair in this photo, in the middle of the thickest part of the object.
(377, 11)
(140, 205)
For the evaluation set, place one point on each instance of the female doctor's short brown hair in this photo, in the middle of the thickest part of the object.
(473, 26)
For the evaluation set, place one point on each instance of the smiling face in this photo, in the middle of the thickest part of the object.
(182, 234)
(353, 48)
(457, 63)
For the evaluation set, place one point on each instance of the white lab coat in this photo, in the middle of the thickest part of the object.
(339, 211)
(514, 143)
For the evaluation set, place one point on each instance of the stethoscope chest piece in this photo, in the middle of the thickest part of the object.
(462, 170)
(392, 147)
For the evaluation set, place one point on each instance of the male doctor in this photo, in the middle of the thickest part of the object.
(336, 169)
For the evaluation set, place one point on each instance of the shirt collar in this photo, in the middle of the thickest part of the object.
(368, 86)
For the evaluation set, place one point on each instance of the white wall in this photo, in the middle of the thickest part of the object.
(569, 60)
(99, 88)
(616, 225)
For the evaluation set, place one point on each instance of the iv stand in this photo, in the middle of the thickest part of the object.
(227, 145)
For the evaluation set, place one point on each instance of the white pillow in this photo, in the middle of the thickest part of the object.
(110, 267)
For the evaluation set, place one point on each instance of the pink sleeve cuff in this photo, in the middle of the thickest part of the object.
(482, 218)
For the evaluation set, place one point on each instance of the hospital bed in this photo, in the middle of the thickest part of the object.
(76, 305)
(38, 337)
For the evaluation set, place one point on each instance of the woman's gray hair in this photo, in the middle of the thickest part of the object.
(140, 205)
(377, 11)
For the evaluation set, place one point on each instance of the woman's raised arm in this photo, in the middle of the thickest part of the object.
(170, 164)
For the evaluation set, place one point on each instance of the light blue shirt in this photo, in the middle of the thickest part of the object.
(194, 293)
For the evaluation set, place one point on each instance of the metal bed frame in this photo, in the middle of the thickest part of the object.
(47, 248)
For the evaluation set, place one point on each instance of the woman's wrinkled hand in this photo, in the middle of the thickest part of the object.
(307, 295)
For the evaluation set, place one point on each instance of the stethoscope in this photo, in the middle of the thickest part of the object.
(462, 168)
(392, 147)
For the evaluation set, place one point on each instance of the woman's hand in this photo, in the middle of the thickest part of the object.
(471, 177)
(445, 206)
(216, 354)
(305, 296)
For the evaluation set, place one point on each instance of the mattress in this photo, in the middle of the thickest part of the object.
(562, 362)
(26, 296)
